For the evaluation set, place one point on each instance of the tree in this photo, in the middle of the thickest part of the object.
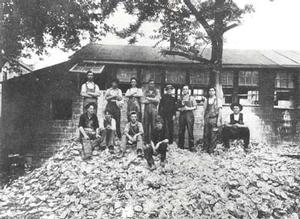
(38, 24)
(188, 25)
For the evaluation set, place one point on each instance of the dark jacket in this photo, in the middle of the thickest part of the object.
(167, 105)
(240, 121)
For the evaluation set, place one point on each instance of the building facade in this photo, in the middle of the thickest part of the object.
(41, 109)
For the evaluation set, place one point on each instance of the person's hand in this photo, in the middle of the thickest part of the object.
(98, 136)
(86, 137)
(166, 141)
(108, 127)
(173, 117)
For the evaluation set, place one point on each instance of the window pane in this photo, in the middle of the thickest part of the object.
(151, 73)
(248, 78)
(175, 76)
(227, 78)
(125, 73)
(284, 80)
(199, 77)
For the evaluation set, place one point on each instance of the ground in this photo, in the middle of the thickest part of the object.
(233, 184)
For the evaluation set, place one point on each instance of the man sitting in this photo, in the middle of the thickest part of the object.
(133, 134)
(107, 126)
(158, 145)
(89, 131)
(236, 129)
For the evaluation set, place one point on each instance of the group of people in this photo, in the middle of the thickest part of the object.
(151, 128)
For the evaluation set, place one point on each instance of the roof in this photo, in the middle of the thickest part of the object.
(146, 55)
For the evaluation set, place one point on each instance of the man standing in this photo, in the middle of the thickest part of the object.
(134, 95)
(133, 134)
(186, 118)
(158, 145)
(90, 91)
(114, 99)
(89, 131)
(236, 129)
(212, 120)
(167, 111)
(107, 128)
(151, 100)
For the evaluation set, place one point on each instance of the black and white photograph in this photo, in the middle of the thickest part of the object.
(149, 109)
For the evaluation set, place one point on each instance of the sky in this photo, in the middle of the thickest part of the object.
(273, 25)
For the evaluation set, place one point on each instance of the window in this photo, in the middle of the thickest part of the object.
(175, 76)
(284, 93)
(248, 87)
(227, 83)
(125, 73)
(248, 78)
(61, 109)
(151, 73)
(198, 94)
(199, 77)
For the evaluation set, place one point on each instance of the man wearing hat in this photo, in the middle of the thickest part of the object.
(167, 110)
(236, 129)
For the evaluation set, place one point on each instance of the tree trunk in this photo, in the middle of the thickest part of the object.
(217, 49)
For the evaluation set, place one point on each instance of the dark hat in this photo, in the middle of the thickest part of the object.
(133, 113)
(169, 86)
(236, 104)
(90, 104)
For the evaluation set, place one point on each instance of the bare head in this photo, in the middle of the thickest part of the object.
(90, 108)
(115, 83)
(90, 76)
(133, 117)
(185, 90)
(151, 83)
(133, 82)
(107, 115)
(211, 92)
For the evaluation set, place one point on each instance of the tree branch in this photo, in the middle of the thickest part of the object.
(229, 27)
(198, 16)
(186, 55)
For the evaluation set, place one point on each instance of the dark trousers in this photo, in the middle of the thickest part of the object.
(186, 120)
(162, 150)
(169, 127)
(236, 133)
(210, 135)
(116, 114)
(150, 114)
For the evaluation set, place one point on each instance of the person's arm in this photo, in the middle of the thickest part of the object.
(81, 130)
(128, 93)
(139, 93)
(96, 93)
(126, 131)
(141, 130)
(191, 108)
(120, 95)
(108, 95)
(154, 99)
(83, 92)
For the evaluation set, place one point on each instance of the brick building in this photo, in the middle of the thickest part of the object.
(41, 109)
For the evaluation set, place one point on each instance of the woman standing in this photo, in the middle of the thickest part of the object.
(134, 95)
(212, 120)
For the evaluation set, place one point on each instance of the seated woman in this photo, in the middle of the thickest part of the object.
(236, 129)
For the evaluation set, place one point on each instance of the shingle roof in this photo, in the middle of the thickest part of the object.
(145, 54)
